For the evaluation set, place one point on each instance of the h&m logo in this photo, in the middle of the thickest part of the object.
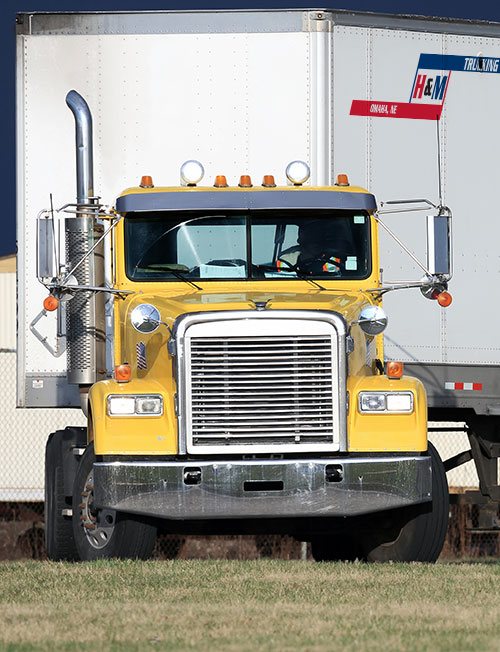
(428, 88)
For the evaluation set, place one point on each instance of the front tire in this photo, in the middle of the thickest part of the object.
(105, 534)
(59, 541)
(422, 530)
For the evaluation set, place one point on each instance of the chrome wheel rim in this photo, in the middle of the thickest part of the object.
(98, 534)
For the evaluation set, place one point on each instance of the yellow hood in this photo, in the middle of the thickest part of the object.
(173, 304)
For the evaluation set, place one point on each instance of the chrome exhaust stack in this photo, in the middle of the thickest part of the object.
(85, 327)
(84, 147)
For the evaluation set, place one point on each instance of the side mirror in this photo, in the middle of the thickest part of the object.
(439, 250)
(45, 254)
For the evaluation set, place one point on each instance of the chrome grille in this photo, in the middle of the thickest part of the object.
(264, 390)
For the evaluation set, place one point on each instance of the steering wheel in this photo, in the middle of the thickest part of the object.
(333, 257)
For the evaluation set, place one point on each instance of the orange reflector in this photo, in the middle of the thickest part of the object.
(245, 181)
(220, 181)
(444, 299)
(123, 373)
(394, 369)
(50, 303)
(268, 181)
(146, 182)
(342, 180)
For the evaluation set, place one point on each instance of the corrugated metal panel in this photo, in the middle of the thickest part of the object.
(8, 320)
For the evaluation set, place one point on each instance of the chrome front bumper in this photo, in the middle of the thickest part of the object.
(262, 488)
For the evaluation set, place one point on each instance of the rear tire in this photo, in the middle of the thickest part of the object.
(421, 534)
(59, 540)
(103, 535)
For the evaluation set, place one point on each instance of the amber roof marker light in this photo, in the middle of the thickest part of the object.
(342, 180)
(268, 181)
(146, 182)
(245, 181)
(220, 181)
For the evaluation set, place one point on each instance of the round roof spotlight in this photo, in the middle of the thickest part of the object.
(191, 173)
(145, 318)
(297, 172)
(372, 320)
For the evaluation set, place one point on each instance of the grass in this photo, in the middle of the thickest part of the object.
(253, 605)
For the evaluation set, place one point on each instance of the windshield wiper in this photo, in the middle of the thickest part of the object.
(291, 268)
(171, 269)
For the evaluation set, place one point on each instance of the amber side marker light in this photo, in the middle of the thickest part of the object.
(146, 182)
(50, 303)
(444, 299)
(268, 181)
(245, 181)
(394, 369)
(220, 181)
(123, 373)
(342, 180)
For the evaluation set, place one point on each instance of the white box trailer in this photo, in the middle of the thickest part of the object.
(250, 91)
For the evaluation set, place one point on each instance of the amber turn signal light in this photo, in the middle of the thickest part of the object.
(123, 373)
(50, 303)
(245, 181)
(394, 369)
(146, 182)
(268, 181)
(444, 299)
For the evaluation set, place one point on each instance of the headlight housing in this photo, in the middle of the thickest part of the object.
(138, 405)
(384, 402)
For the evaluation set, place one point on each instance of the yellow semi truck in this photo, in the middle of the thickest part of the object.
(249, 391)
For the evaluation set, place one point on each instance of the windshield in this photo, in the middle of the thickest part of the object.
(252, 245)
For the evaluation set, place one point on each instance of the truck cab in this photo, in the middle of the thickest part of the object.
(249, 385)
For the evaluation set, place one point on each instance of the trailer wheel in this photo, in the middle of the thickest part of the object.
(105, 534)
(59, 540)
(420, 536)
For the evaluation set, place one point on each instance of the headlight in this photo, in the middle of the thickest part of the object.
(145, 318)
(141, 405)
(372, 320)
(372, 402)
(398, 402)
